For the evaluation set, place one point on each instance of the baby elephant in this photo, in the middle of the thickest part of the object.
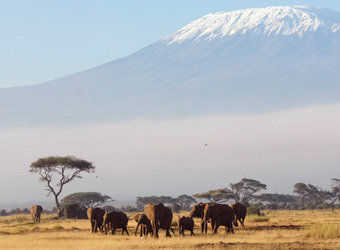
(145, 225)
(185, 223)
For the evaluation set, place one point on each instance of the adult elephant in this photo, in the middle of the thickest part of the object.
(197, 211)
(221, 214)
(160, 216)
(36, 211)
(145, 225)
(95, 216)
(116, 220)
(240, 211)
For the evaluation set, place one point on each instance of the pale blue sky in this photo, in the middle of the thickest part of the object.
(43, 40)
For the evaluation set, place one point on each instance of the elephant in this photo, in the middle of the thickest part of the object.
(117, 220)
(240, 211)
(198, 212)
(36, 211)
(223, 215)
(160, 217)
(145, 225)
(185, 223)
(95, 216)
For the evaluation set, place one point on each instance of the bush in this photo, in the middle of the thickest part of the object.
(58, 227)
(258, 218)
(253, 210)
(128, 209)
(108, 208)
(73, 211)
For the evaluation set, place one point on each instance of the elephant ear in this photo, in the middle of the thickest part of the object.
(137, 216)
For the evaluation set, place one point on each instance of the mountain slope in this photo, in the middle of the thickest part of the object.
(245, 61)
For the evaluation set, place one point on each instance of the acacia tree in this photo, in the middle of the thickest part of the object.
(216, 196)
(141, 201)
(275, 198)
(57, 171)
(86, 199)
(301, 189)
(335, 193)
(245, 189)
(185, 201)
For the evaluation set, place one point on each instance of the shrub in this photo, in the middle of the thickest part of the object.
(253, 211)
(73, 211)
(258, 218)
(35, 229)
(58, 227)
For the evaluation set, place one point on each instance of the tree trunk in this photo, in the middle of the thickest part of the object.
(57, 203)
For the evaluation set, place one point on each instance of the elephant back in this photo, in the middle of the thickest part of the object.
(165, 219)
(240, 210)
(216, 210)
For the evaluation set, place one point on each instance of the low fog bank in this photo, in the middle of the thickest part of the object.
(143, 157)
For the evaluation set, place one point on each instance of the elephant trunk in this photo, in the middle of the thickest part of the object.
(137, 228)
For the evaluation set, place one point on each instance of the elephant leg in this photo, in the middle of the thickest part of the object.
(155, 229)
(230, 228)
(212, 224)
(95, 226)
(217, 225)
(236, 223)
(202, 227)
(167, 233)
(91, 226)
(145, 230)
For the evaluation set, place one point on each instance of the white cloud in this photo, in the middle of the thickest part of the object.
(144, 157)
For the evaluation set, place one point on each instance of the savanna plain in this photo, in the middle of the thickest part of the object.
(282, 229)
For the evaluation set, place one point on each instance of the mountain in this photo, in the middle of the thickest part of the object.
(245, 61)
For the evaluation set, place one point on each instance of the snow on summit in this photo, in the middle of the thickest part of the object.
(271, 21)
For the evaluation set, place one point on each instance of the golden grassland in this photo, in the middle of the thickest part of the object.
(316, 229)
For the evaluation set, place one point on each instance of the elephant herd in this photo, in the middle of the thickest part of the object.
(158, 216)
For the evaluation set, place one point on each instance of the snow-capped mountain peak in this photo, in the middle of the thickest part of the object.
(271, 21)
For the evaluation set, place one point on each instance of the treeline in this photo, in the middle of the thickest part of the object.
(306, 196)
(3, 212)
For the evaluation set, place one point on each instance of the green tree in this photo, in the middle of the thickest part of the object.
(275, 199)
(245, 189)
(141, 201)
(57, 171)
(335, 191)
(217, 195)
(86, 199)
(301, 189)
(185, 201)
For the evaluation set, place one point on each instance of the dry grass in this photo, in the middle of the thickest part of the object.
(314, 230)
